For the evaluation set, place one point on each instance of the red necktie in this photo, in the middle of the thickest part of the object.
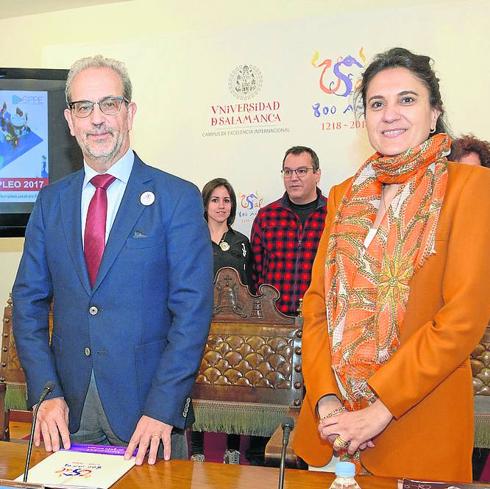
(94, 239)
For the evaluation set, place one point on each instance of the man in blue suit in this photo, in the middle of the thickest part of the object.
(131, 307)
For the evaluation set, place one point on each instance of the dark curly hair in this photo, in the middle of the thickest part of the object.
(468, 143)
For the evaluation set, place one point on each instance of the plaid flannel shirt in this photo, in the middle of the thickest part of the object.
(283, 250)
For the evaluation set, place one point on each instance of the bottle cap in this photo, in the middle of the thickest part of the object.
(345, 469)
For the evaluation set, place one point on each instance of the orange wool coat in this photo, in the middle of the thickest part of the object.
(427, 384)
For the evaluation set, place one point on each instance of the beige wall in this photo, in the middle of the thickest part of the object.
(140, 31)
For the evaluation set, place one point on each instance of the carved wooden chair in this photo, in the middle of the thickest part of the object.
(250, 375)
(480, 365)
(12, 380)
(13, 403)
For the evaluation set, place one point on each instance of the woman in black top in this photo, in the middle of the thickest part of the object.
(230, 249)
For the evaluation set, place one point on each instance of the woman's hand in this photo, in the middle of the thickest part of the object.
(325, 407)
(356, 427)
(328, 404)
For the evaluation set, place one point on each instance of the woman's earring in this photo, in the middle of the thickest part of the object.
(432, 130)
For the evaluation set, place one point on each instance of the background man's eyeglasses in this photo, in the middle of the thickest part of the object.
(107, 105)
(300, 172)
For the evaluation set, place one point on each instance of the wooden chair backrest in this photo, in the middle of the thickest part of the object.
(12, 378)
(10, 368)
(11, 371)
(253, 352)
(480, 366)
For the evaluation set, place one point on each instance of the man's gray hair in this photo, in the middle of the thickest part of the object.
(98, 61)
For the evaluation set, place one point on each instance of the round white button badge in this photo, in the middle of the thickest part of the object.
(147, 198)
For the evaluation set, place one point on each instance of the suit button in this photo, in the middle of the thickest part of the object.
(87, 351)
(93, 310)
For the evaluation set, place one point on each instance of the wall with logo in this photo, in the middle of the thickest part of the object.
(223, 89)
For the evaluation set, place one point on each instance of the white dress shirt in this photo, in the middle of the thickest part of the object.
(121, 170)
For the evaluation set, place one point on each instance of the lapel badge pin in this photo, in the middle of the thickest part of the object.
(224, 246)
(147, 198)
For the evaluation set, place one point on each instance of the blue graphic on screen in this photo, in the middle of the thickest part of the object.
(23, 141)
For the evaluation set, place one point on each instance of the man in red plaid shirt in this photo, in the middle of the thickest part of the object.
(286, 233)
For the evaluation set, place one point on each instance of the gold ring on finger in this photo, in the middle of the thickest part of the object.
(339, 443)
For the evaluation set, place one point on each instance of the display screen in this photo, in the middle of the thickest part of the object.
(36, 147)
(24, 163)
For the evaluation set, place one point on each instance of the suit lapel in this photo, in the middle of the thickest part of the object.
(70, 204)
(128, 213)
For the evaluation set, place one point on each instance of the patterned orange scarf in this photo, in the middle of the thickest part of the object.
(367, 289)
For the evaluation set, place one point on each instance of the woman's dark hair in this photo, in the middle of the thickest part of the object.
(209, 188)
(419, 65)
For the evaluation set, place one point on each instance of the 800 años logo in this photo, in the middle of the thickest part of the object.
(250, 204)
(337, 82)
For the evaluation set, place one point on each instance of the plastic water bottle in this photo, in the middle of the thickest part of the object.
(345, 472)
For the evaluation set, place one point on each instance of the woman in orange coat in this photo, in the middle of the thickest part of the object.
(399, 292)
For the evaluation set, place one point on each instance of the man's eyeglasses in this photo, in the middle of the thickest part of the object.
(301, 172)
(107, 105)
